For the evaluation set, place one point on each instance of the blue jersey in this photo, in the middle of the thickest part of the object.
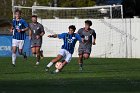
(21, 24)
(69, 41)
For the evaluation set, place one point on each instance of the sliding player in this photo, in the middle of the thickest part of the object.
(67, 48)
(89, 37)
(19, 28)
(36, 33)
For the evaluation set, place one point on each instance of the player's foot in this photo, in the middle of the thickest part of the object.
(54, 72)
(37, 63)
(13, 65)
(25, 56)
(81, 68)
(47, 69)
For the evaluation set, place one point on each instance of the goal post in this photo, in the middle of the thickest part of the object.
(96, 12)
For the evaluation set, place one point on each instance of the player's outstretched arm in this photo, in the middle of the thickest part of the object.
(53, 36)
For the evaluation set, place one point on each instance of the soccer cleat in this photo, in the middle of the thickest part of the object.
(81, 68)
(54, 72)
(47, 69)
(13, 65)
(37, 63)
(25, 56)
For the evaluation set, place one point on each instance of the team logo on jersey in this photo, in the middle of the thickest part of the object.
(19, 24)
(34, 31)
(86, 38)
(73, 38)
(37, 28)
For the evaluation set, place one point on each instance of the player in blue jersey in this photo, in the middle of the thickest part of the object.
(19, 27)
(67, 48)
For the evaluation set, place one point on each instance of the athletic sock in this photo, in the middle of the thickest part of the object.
(80, 64)
(57, 70)
(13, 58)
(50, 64)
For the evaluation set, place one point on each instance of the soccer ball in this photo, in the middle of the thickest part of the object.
(59, 65)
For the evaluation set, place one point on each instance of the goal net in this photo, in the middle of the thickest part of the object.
(107, 22)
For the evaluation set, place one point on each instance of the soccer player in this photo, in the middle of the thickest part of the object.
(36, 33)
(67, 48)
(89, 37)
(19, 27)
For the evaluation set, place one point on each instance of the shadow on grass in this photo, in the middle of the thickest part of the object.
(70, 85)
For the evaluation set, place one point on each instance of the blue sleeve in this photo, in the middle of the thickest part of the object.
(60, 36)
(25, 24)
(78, 37)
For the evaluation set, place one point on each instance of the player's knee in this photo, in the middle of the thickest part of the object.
(86, 56)
(80, 56)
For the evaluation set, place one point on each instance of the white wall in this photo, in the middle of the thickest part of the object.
(115, 38)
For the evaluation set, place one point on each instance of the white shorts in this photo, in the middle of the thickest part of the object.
(18, 43)
(66, 55)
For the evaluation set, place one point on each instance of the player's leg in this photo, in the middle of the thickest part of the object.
(41, 54)
(87, 52)
(20, 45)
(14, 50)
(80, 58)
(58, 58)
(80, 61)
(37, 50)
(67, 59)
(33, 51)
(38, 44)
(86, 55)
(33, 47)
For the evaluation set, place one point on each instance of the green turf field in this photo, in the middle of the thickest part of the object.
(99, 76)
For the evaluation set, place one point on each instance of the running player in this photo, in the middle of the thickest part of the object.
(36, 32)
(19, 27)
(89, 37)
(67, 48)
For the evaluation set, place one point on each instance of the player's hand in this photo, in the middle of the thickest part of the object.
(94, 43)
(19, 30)
(49, 35)
(37, 36)
(11, 30)
(83, 40)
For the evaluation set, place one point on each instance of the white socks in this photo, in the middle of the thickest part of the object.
(13, 58)
(50, 64)
(57, 70)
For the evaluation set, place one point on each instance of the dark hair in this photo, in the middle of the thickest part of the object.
(17, 10)
(88, 22)
(34, 16)
(72, 27)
